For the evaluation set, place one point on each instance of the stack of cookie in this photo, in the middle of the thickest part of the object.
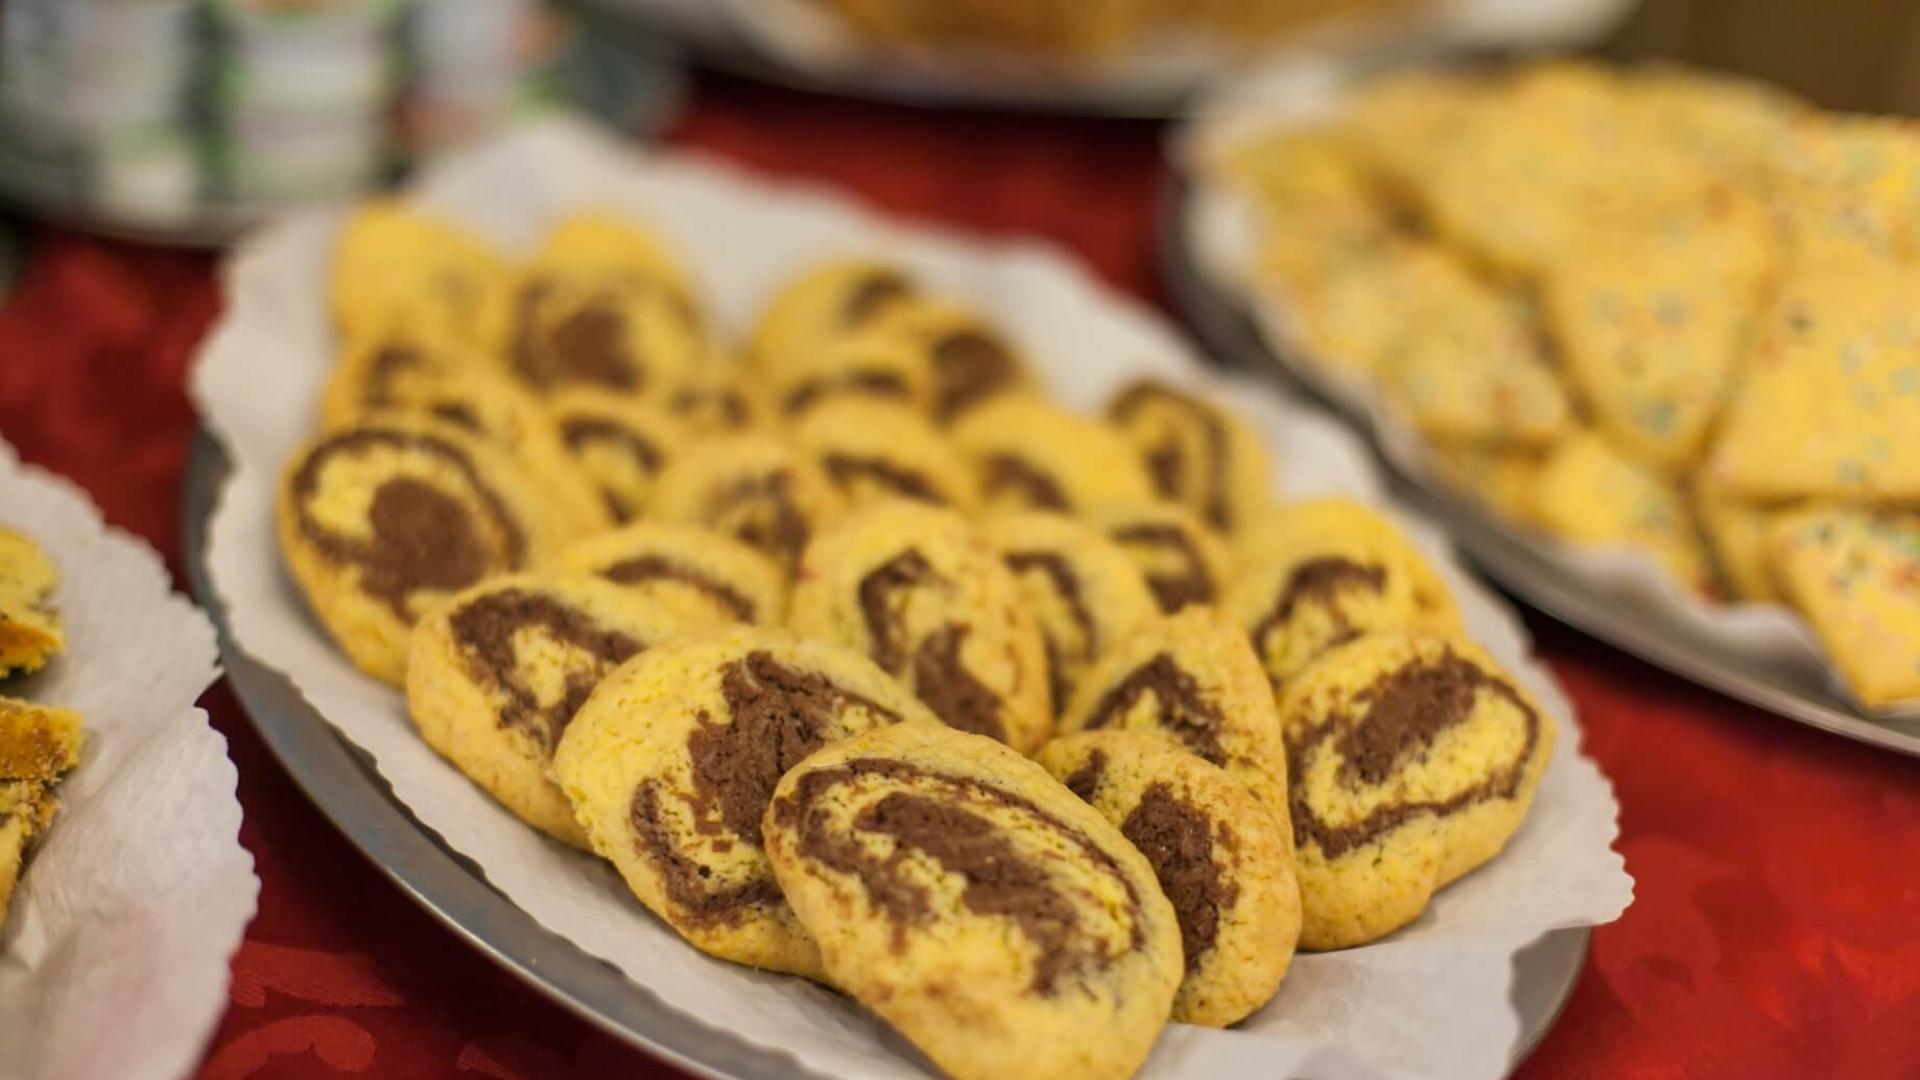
(1645, 308)
(863, 661)
(38, 743)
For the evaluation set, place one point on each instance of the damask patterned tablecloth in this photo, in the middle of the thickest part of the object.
(1776, 930)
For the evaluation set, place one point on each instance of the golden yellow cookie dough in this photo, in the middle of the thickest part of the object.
(384, 519)
(1336, 520)
(1412, 758)
(495, 676)
(391, 367)
(768, 493)
(1183, 560)
(823, 304)
(671, 763)
(393, 264)
(871, 366)
(876, 449)
(570, 325)
(704, 575)
(1031, 455)
(1198, 454)
(618, 444)
(38, 742)
(1085, 591)
(921, 591)
(618, 248)
(1736, 535)
(973, 363)
(1855, 575)
(1223, 859)
(1591, 494)
(717, 397)
(31, 631)
(1002, 925)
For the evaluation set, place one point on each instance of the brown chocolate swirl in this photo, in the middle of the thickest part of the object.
(644, 568)
(761, 512)
(1191, 583)
(485, 628)
(1408, 708)
(421, 538)
(861, 382)
(951, 820)
(873, 294)
(1085, 781)
(1065, 583)
(1177, 838)
(850, 469)
(1005, 474)
(1318, 581)
(969, 366)
(581, 432)
(587, 345)
(726, 406)
(1167, 459)
(775, 716)
(1181, 707)
(933, 666)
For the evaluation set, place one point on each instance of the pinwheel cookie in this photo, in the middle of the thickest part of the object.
(1085, 591)
(1193, 680)
(1224, 860)
(867, 365)
(573, 326)
(704, 575)
(671, 763)
(1411, 757)
(771, 495)
(495, 676)
(617, 444)
(31, 632)
(957, 890)
(972, 362)
(1031, 455)
(878, 449)
(824, 304)
(1183, 560)
(396, 265)
(919, 590)
(384, 519)
(1198, 455)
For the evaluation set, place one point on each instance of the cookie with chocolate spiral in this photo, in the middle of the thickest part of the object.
(1412, 757)
(876, 449)
(495, 676)
(671, 763)
(1031, 455)
(972, 361)
(824, 304)
(1002, 925)
(1199, 455)
(384, 519)
(397, 267)
(918, 589)
(758, 488)
(706, 576)
(1193, 680)
(618, 444)
(1224, 860)
(1184, 560)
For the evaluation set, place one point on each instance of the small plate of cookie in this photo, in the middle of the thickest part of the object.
(123, 886)
(892, 652)
(1656, 388)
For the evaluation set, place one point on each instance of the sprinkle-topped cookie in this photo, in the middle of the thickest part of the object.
(385, 519)
(495, 676)
(764, 491)
(1085, 591)
(919, 590)
(671, 763)
(1411, 757)
(1002, 925)
(877, 449)
(1590, 493)
(1855, 574)
(1198, 455)
(1031, 455)
(31, 632)
(1223, 859)
(705, 575)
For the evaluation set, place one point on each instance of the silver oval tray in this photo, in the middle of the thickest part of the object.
(343, 783)
(1521, 566)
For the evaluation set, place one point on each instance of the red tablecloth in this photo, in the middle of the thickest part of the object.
(1777, 926)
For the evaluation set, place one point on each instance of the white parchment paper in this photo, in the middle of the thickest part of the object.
(1430, 1002)
(114, 960)
(1221, 229)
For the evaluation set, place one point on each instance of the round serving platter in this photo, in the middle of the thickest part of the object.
(1520, 563)
(345, 786)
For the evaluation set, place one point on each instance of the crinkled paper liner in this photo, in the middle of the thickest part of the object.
(1430, 1002)
(1221, 229)
(114, 959)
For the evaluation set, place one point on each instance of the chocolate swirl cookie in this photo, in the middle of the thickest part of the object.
(717, 397)
(495, 676)
(380, 521)
(706, 576)
(876, 450)
(823, 305)
(1032, 456)
(571, 326)
(620, 445)
(1224, 860)
(671, 763)
(1084, 590)
(395, 267)
(387, 369)
(1193, 680)
(765, 492)
(972, 362)
(870, 366)
(1413, 757)
(1184, 561)
(1279, 530)
(1198, 455)
(919, 590)
(496, 409)
(957, 890)
(31, 630)
(617, 248)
